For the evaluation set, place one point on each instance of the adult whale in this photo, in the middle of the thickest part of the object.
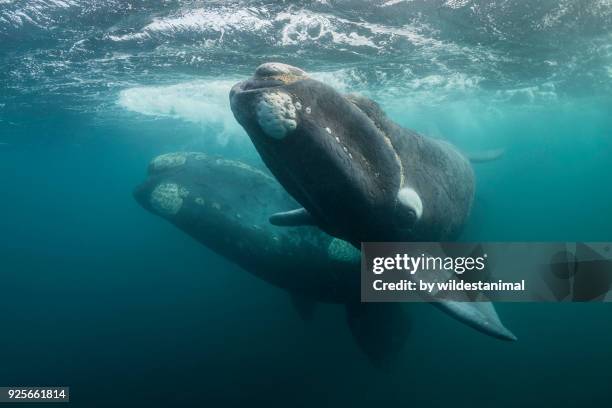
(357, 174)
(224, 204)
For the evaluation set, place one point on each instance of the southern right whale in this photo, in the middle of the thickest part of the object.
(358, 175)
(224, 204)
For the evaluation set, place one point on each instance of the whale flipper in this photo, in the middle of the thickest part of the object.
(380, 329)
(292, 218)
(478, 315)
(304, 306)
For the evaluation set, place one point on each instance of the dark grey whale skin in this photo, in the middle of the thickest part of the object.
(345, 162)
(442, 175)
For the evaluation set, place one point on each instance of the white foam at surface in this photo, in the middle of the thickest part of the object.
(305, 26)
(200, 20)
(288, 27)
(203, 102)
(566, 9)
(394, 2)
(455, 4)
(35, 12)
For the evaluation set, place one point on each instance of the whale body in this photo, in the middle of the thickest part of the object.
(357, 174)
(224, 204)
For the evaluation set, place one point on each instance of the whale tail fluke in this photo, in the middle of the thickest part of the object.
(486, 155)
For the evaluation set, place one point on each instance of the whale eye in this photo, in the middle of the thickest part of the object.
(408, 209)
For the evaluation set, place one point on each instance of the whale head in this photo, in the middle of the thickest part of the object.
(203, 195)
(324, 149)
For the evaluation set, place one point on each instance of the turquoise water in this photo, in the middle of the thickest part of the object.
(126, 309)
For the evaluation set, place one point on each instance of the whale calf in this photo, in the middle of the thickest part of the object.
(224, 204)
(357, 174)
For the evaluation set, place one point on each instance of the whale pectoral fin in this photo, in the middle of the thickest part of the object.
(380, 329)
(486, 155)
(481, 316)
(292, 218)
(304, 307)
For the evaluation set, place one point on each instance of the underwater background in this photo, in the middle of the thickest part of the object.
(98, 294)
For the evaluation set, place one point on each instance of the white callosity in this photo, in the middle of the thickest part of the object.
(167, 198)
(276, 114)
(411, 199)
(167, 161)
